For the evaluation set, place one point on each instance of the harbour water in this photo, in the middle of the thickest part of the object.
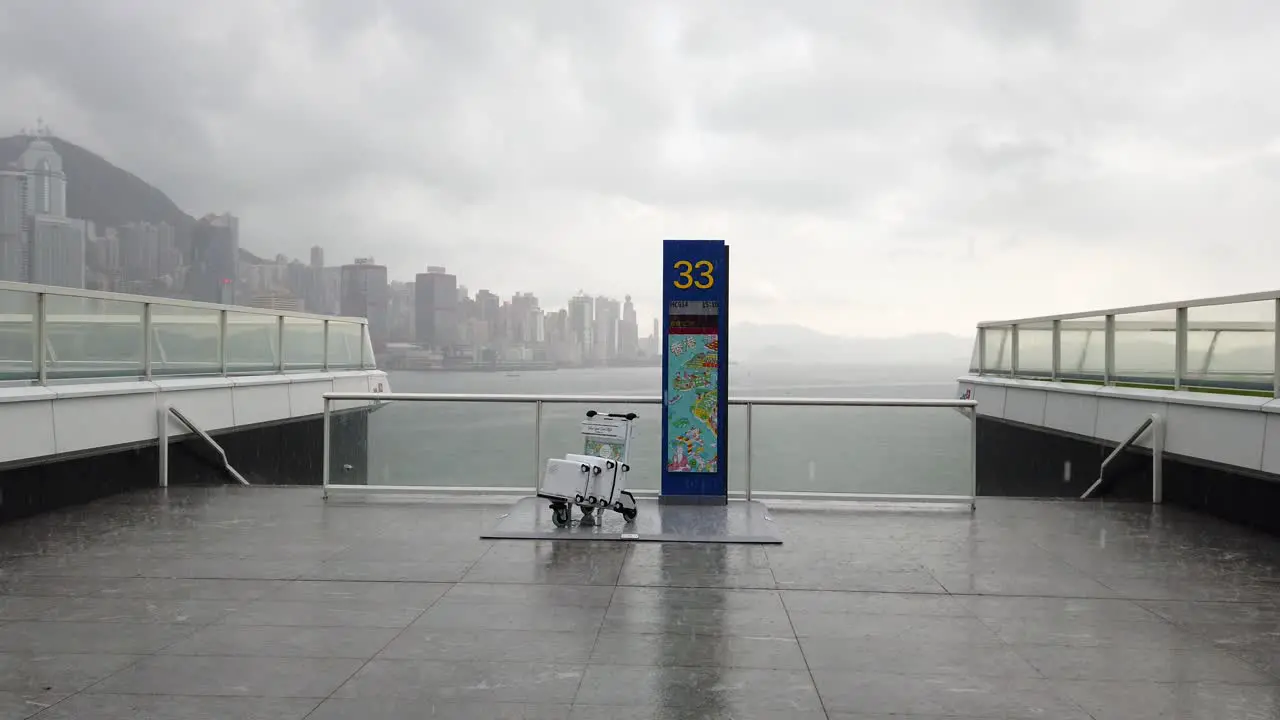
(869, 450)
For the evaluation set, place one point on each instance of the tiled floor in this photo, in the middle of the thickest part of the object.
(264, 603)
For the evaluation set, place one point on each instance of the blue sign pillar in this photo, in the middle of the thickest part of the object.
(695, 371)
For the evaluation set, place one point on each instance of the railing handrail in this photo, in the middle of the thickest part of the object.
(167, 302)
(1177, 304)
(652, 400)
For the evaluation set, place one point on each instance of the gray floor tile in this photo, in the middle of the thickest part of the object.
(185, 589)
(697, 620)
(411, 708)
(427, 643)
(407, 594)
(285, 641)
(536, 595)
(914, 657)
(1074, 631)
(822, 578)
(22, 705)
(686, 650)
(874, 603)
(947, 695)
(385, 571)
(604, 573)
(235, 676)
(716, 708)
(469, 681)
(704, 688)
(82, 637)
(176, 707)
(902, 628)
(324, 614)
(1159, 664)
(141, 610)
(551, 618)
(44, 673)
(1156, 701)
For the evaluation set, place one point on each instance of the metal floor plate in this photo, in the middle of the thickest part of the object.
(747, 522)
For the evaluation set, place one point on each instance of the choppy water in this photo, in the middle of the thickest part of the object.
(874, 450)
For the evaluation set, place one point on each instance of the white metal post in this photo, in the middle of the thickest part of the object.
(1275, 368)
(42, 340)
(748, 482)
(325, 363)
(146, 340)
(162, 438)
(280, 343)
(1013, 352)
(1056, 368)
(222, 342)
(1157, 459)
(973, 458)
(1179, 347)
(364, 338)
(982, 351)
(325, 446)
(537, 446)
(1109, 351)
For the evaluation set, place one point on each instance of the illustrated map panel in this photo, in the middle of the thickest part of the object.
(693, 407)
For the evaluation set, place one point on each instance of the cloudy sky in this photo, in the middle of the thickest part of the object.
(878, 167)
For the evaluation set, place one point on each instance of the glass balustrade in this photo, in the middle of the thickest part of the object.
(49, 333)
(1223, 345)
(892, 451)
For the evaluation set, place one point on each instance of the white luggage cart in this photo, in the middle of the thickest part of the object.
(595, 479)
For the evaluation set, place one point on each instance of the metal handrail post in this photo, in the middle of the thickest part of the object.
(1056, 368)
(973, 458)
(146, 340)
(748, 461)
(1013, 351)
(1157, 459)
(42, 340)
(1179, 347)
(537, 446)
(222, 342)
(1109, 351)
(326, 447)
(982, 351)
(280, 344)
(325, 363)
(1275, 367)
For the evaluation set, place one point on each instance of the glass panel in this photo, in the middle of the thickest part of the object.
(89, 337)
(252, 340)
(303, 343)
(1231, 346)
(868, 450)
(344, 344)
(1145, 347)
(999, 350)
(367, 358)
(1083, 346)
(1035, 350)
(184, 340)
(17, 335)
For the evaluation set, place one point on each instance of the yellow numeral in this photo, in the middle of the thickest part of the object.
(685, 280)
(707, 278)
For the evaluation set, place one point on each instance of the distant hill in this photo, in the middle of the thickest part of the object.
(108, 195)
(750, 341)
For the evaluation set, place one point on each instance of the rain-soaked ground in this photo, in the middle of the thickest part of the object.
(264, 603)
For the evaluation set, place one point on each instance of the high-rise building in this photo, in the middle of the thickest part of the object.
(581, 323)
(365, 294)
(13, 243)
(605, 345)
(317, 257)
(435, 308)
(215, 254)
(140, 251)
(46, 191)
(56, 251)
(628, 331)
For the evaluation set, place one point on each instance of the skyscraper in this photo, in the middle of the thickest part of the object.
(581, 323)
(628, 331)
(215, 254)
(605, 345)
(365, 294)
(13, 243)
(435, 308)
(48, 247)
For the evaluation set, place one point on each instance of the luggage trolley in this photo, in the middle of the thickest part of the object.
(595, 479)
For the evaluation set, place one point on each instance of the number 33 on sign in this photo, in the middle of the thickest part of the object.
(702, 280)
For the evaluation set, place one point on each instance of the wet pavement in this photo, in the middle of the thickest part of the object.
(264, 603)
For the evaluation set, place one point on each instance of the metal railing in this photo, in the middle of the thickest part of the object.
(1223, 344)
(967, 407)
(1156, 424)
(49, 333)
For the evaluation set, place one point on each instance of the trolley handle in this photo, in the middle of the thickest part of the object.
(624, 416)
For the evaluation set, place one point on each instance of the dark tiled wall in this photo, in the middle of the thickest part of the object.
(1017, 460)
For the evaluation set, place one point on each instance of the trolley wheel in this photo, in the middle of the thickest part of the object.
(629, 515)
(560, 515)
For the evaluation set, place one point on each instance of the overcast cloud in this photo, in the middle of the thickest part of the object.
(878, 167)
